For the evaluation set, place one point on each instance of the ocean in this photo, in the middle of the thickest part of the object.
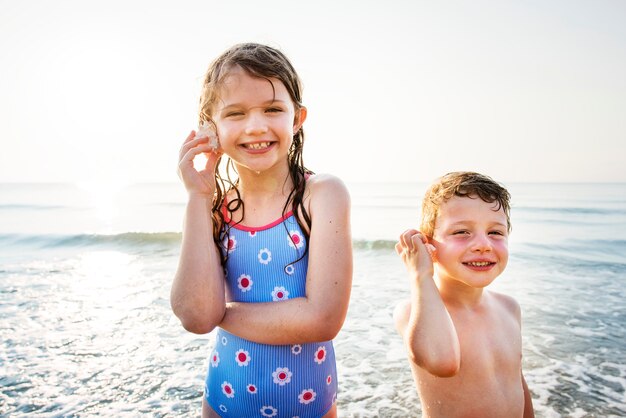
(87, 328)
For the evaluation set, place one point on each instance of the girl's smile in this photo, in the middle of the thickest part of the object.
(258, 146)
(256, 120)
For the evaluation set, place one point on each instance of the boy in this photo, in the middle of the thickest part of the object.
(464, 342)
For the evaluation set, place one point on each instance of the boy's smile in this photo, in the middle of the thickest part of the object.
(471, 239)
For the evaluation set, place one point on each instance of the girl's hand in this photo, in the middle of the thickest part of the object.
(416, 253)
(198, 182)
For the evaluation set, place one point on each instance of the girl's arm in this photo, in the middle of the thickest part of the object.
(320, 314)
(197, 294)
(424, 322)
(529, 411)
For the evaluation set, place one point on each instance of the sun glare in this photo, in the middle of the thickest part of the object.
(105, 279)
(102, 198)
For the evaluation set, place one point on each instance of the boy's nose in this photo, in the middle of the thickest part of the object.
(481, 243)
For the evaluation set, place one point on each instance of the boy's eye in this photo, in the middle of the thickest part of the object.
(496, 233)
(273, 110)
(460, 232)
(231, 114)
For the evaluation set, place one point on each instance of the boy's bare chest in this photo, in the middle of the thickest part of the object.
(488, 383)
(489, 343)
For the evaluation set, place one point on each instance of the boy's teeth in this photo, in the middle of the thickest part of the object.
(479, 263)
(258, 145)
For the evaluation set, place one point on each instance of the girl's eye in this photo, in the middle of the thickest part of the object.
(496, 233)
(462, 232)
(233, 114)
(273, 110)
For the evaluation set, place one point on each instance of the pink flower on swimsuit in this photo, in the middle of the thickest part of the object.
(282, 376)
(320, 355)
(215, 359)
(279, 293)
(230, 243)
(242, 357)
(295, 239)
(307, 396)
(228, 390)
(244, 282)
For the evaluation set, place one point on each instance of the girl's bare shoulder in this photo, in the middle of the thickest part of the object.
(326, 186)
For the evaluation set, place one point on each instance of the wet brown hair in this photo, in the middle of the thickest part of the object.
(264, 62)
(462, 184)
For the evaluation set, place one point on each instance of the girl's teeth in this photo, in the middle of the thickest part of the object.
(258, 145)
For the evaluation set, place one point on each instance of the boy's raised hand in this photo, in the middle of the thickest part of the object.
(203, 181)
(417, 254)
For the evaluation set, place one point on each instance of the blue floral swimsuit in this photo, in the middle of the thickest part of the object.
(248, 379)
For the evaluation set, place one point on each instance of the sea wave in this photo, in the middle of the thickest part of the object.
(81, 240)
(377, 244)
(133, 240)
(576, 247)
(24, 206)
(136, 239)
(605, 249)
(578, 256)
(572, 210)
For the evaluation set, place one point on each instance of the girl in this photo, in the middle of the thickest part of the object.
(266, 254)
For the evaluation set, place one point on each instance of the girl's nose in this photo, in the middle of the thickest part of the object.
(256, 124)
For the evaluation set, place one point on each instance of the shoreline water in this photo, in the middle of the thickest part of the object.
(87, 328)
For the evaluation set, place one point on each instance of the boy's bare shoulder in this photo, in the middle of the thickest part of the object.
(507, 303)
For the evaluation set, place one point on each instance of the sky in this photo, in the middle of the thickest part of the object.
(104, 92)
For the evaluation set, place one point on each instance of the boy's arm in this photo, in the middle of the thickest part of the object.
(429, 334)
(320, 314)
(529, 411)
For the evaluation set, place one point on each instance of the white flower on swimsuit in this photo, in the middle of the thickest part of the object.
(265, 256)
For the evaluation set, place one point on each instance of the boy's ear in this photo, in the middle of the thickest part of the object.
(299, 119)
(432, 251)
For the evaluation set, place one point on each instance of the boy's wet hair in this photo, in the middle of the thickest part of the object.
(462, 184)
(266, 63)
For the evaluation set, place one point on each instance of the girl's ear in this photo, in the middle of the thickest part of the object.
(299, 119)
